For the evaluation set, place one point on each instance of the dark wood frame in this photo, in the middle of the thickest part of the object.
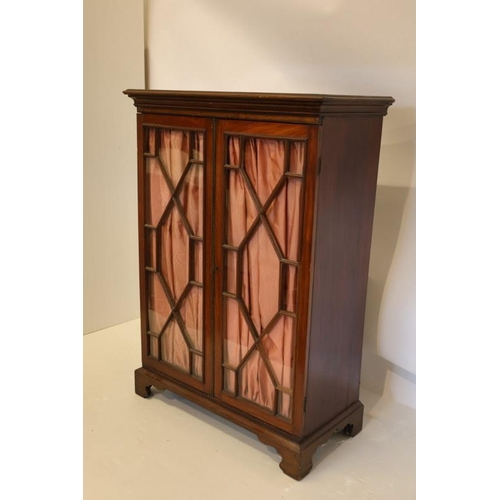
(192, 124)
(289, 132)
(343, 143)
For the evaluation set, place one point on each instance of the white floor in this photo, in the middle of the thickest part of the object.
(166, 447)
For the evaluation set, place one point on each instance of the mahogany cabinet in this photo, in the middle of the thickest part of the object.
(255, 220)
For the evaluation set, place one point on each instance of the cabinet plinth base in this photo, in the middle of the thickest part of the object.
(296, 453)
(142, 383)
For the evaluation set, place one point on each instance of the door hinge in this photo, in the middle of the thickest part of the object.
(305, 404)
(319, 166)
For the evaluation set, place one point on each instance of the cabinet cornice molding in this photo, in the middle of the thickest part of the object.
(299, 108)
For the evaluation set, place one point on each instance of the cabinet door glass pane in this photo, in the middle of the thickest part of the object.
(174, 176)
(264, 184)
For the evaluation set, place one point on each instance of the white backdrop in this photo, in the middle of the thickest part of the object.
(113, 61)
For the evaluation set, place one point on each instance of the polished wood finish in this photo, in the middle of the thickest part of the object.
(297, 108)
(342, 137)
(345, 203)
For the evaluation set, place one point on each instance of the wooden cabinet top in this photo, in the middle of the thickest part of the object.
(300, 108)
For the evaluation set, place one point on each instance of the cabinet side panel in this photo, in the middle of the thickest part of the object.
(345, 203)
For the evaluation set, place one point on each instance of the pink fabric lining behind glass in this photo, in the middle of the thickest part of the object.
(174, 153)
(264, 163)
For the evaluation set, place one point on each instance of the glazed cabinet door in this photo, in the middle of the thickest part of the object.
(260, 334)
(175, 227)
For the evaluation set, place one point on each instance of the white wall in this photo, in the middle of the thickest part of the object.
(320, 46)
(113, 61)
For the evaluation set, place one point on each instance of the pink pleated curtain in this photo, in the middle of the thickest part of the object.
(175, 262)
(264, 162)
